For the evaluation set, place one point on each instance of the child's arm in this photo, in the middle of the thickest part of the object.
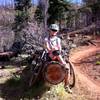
(46, 45)
(59, 45)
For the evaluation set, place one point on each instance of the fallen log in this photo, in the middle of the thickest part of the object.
(84, 31)
(12, 52)
(5, 56)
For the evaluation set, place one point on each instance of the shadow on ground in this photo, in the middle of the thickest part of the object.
(16, 88)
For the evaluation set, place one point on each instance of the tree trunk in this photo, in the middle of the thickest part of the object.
(44, 5)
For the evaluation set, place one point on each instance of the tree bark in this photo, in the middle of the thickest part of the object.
(44, 5)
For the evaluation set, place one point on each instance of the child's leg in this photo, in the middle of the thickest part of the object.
(67, 76)
(63, 62)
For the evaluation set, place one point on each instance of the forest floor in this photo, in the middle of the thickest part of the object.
(86, 61)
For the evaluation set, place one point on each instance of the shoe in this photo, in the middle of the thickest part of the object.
(67, 89)
(2, 67)
(66, 66)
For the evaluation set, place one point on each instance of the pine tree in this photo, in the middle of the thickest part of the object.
(94, 5)
(21, 16)
(50, 11)
(57, 9)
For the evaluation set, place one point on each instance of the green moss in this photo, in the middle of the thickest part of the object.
(14, 82)
(37, 90)
(97, 62)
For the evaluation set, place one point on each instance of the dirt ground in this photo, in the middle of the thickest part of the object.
(87, 72)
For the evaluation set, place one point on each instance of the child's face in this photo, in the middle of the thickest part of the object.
(53, 32)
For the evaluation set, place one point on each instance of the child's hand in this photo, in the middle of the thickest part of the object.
(56, 48)
(51, 55)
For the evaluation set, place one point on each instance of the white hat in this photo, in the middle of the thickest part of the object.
(54, 27)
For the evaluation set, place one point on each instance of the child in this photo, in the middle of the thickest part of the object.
(53, 48)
